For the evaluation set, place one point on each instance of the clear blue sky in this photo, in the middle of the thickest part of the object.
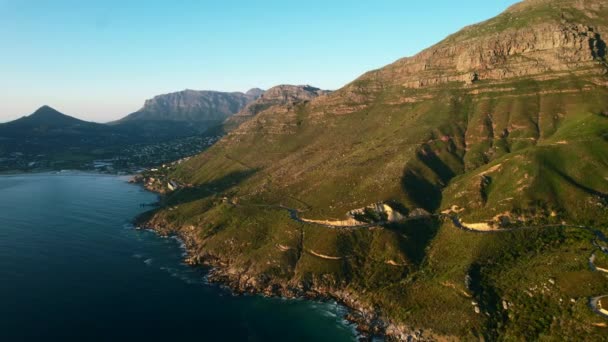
(99, 60)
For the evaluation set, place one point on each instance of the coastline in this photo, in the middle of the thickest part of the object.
(120, 173)
(240, 284)
(368, 321)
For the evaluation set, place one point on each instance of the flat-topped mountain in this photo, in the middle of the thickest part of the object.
(47, 135)
(194, 106)
(501, 126)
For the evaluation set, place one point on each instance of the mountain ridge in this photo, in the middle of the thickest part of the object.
(193, 105)
(47, 136)
(501, 125)
(284, 94)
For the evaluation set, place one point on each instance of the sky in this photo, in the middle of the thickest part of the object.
(99, 60)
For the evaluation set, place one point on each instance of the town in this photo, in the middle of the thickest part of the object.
(120, 160)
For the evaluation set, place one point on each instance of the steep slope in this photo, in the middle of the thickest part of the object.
(503, 124)
(185, 113)
(287, 95)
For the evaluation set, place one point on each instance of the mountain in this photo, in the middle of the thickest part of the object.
(47, 117)
(194, 106)
(254, 93)
(279, 95)
(48, 129)
(171, 125)
(185, 113)
(48, 139)
(501, 126)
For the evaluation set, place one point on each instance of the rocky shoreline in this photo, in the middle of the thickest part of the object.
(368, 321)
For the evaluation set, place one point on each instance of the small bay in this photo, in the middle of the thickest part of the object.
(72, 268)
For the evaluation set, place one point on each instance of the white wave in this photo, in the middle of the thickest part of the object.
(181, 242)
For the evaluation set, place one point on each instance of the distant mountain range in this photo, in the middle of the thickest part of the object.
(188, 113)
(163, 117)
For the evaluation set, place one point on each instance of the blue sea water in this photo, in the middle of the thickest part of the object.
(72, 268)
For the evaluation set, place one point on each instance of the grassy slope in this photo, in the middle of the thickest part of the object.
(538, 148)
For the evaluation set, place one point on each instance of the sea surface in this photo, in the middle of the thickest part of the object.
(72, 268)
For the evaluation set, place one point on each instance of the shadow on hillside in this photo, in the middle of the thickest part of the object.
(599, 50)
(420, 191)
(419, 235)
(202, 191)
(215, 187)
(425, 176)
(578, 185)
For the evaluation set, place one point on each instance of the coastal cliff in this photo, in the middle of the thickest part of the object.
(368, 319)
(502, 123)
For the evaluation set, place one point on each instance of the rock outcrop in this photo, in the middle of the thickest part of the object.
(525, 52)
(535, 40)
(285, 95)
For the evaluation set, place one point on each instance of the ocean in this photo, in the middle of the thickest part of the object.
(73, 268)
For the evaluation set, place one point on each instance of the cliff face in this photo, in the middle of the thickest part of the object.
(282, 95)
(502, 123)
(193, 105)
(527, 52)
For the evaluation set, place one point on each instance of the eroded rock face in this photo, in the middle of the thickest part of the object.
(282, 95)
(194, 105)
(280, 100)
(518, 43)
(291, 93)
(377, 212)
(523, 52)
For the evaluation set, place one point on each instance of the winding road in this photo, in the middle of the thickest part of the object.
(594, 302)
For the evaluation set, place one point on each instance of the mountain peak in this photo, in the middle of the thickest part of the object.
(46, 110)
(47, 115)
(530, 39)
(556, 4)
(284, 94)
(255, 92)
(293, 93)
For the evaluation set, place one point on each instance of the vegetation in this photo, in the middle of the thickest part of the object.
(49, 140)
(513, 152)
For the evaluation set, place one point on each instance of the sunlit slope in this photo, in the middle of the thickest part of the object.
(504, 124)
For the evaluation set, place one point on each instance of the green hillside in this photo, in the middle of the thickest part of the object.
(503, 125)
